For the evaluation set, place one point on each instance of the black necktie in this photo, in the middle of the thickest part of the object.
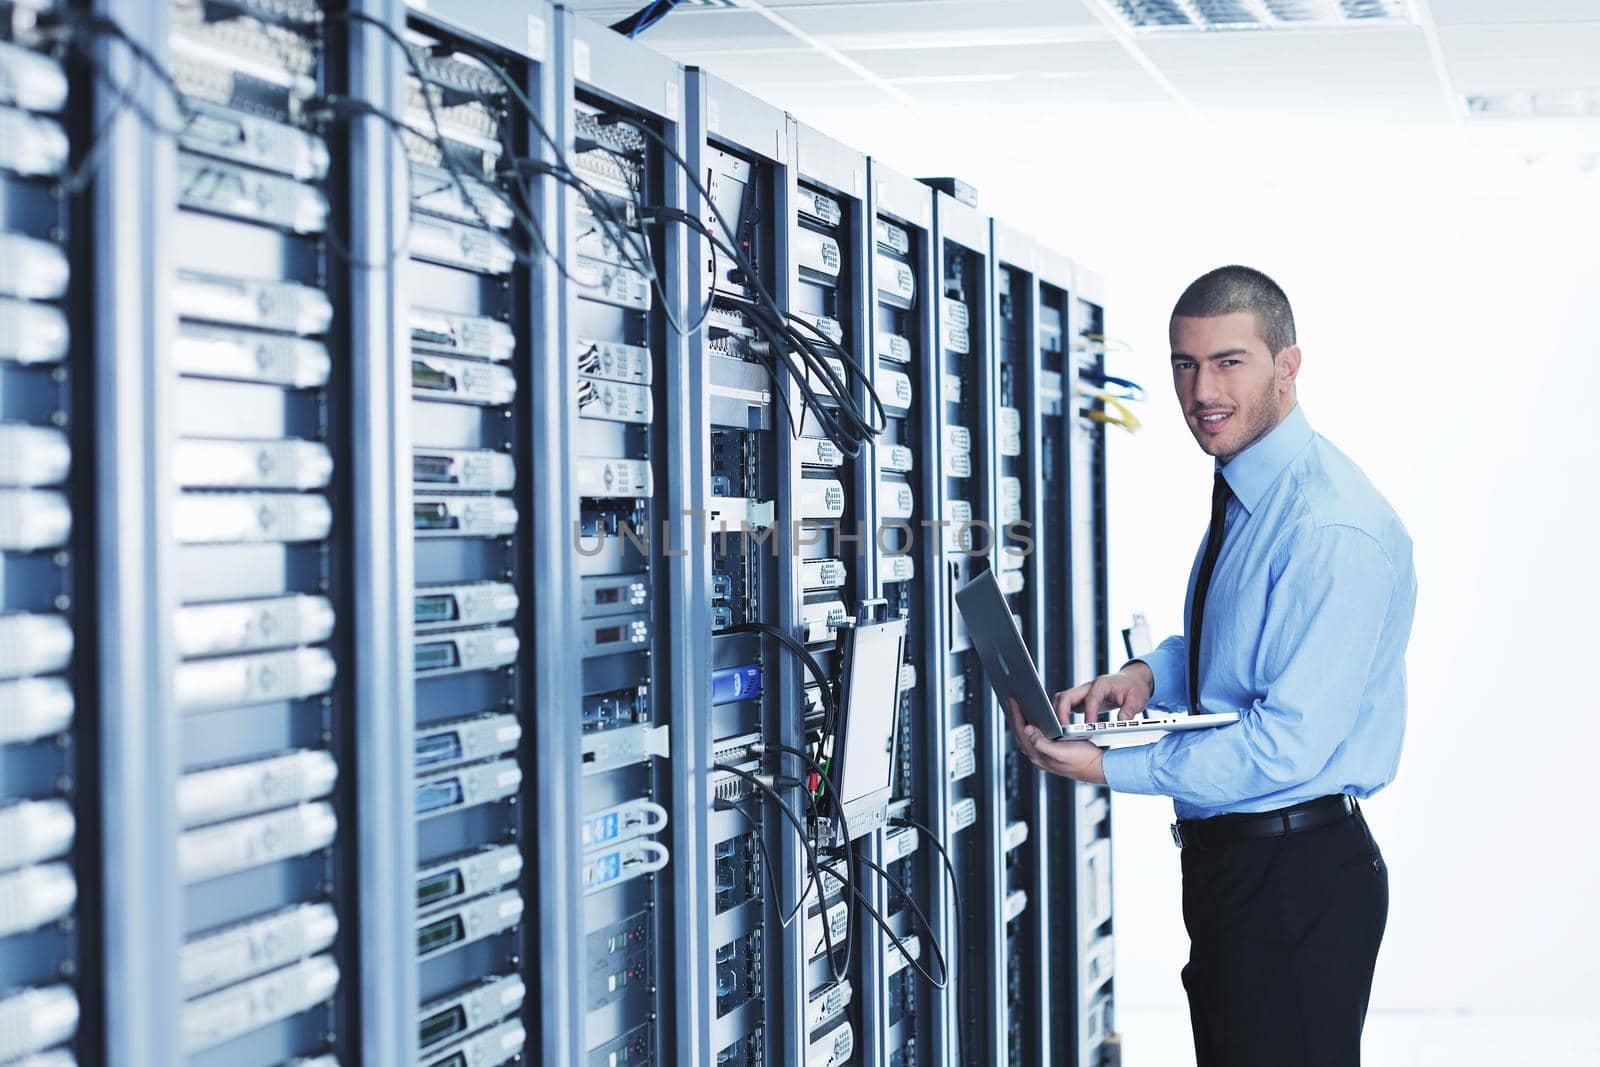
(1197, 612)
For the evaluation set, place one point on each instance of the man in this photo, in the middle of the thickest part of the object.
(1299, 609)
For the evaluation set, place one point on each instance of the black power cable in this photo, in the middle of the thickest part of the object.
(830, 702)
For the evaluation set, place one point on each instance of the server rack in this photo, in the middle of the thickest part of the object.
(906, 546)
(832, 569)
(48, 847)
(750, 1009)
(627, 343)
(1086, 957)
(1017, 516)
(966, 717)
(493, 764)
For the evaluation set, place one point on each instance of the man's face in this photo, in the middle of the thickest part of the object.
(1232, 390)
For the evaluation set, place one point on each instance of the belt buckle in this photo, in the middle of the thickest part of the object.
(1177, 835)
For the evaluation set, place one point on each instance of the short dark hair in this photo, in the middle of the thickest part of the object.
(1234, 288)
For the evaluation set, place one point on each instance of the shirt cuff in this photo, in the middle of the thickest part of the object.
(1170, 668)
(1127, 770)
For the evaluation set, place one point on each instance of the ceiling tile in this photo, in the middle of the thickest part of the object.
(1286, 49)
(1097, 57)
(1460, 12)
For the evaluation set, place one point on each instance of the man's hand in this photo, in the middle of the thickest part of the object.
(1128, 689)
(1079, 760)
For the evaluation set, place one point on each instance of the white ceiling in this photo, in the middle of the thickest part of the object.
(1046, 58)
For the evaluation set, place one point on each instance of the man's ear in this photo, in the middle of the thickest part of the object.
(1287, 367)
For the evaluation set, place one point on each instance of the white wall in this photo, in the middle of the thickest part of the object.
(1448, 302)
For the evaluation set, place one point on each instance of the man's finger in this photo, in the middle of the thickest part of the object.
(1133, 704)
(1067, 699)
(1096, 698)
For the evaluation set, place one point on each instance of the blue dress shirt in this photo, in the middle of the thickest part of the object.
(1305, 634)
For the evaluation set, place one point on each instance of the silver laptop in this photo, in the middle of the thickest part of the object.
(1011, 672)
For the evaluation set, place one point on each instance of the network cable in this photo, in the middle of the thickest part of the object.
(645, 17)
(813, 863)
(883, 924)
(829, 703)
(921, 917)
(850, 427)
(1131, 390)
(955, 894)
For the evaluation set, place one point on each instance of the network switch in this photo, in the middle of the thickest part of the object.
(896, 500)
(815, 939)
(818, 207)
(828, 1003)
(891, 238)
(897, 458)
(619, 959)
(833, 1048)
(636, 1048)
(817, 254)
(219, 464)
(818, 574)
(1016, 833)
(32, 831)
(437, 192)
(894, 390)
(820, 620)
(963, 813)
(619, 286)
(818, 452)
(896, 961)
(819, 498)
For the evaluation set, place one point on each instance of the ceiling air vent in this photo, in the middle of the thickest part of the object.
(1191, 15)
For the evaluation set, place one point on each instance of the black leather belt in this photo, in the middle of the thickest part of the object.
(1221, 829)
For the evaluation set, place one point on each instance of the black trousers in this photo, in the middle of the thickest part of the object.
(1284, 934)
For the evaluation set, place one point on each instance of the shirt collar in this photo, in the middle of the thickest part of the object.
(1251, 473)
